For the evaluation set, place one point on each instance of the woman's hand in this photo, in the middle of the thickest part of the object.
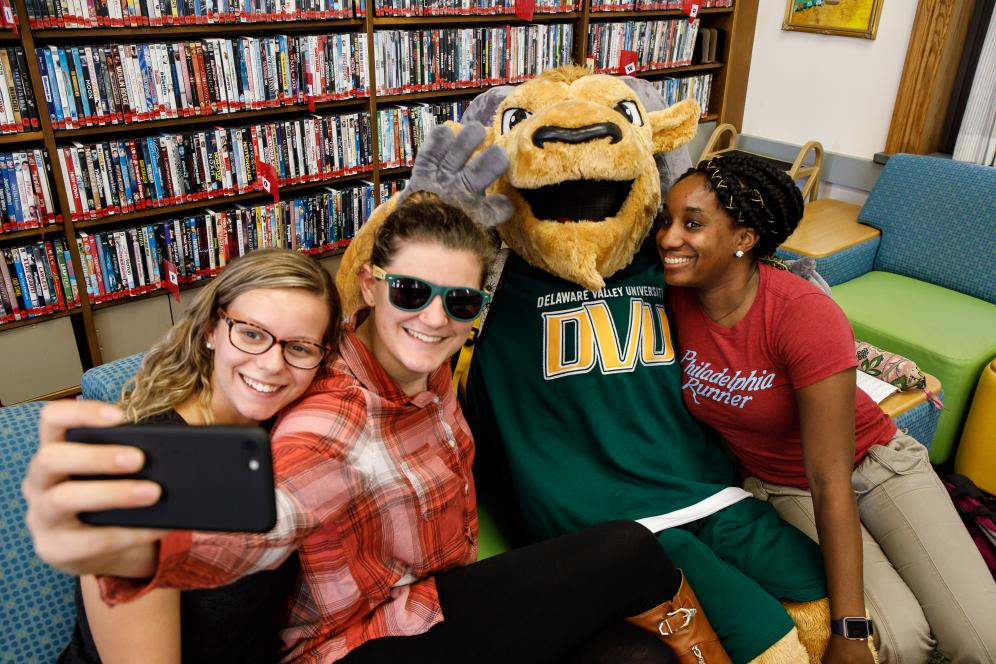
(55, 501)
(845, 651)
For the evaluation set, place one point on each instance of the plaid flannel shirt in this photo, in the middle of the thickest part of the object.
(374, 489)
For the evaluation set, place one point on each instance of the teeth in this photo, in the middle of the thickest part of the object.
(676, 260)
(423, 337)
(260, 387)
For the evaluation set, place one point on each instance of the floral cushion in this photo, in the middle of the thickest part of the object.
(889, 367)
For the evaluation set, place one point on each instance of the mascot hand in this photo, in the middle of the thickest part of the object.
(806, 268)
(442, 167)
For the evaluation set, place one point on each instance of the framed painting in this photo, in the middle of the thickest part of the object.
(850, 18)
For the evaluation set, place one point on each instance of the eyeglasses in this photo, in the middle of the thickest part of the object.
(414, 294)
(253, 339)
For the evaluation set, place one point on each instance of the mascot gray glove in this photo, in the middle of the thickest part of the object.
(442, 167)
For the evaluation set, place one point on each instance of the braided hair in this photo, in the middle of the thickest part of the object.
(756, 194)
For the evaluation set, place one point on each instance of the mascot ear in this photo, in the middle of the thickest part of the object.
(483, 107)
(675, 126)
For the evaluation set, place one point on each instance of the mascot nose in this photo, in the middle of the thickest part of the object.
(576, 135)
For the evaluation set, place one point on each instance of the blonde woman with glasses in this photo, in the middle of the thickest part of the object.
(250, 345)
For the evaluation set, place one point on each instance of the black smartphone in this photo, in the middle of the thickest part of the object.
(212, 477)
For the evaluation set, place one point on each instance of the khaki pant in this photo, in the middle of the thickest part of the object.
(923, 576)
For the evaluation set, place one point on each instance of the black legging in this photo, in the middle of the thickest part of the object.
(555, 601)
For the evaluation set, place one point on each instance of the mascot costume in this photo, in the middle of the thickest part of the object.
(573, 388)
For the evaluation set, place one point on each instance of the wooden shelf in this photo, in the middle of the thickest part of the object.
(212, 30)
(194, 121)
(9, 37)
(32, 232)
(684, 69)
(38, 319)
(628, 14)
(174, 210)
(400, 170)
(483, 19)
(433, 94)
(21, 138)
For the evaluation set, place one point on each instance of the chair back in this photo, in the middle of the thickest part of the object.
(938, 222)
(104, 383)
(37, 616)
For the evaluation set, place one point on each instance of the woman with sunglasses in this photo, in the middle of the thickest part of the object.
(249, 346)
(375, 493)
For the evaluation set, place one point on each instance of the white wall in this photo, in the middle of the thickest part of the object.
(837, 90)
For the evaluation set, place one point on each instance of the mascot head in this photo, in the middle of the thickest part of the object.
(582, 174)
(588, 155)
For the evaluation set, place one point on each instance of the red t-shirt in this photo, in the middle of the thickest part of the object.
(741, 380)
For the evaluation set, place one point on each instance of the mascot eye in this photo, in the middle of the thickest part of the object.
(631, 111)
(512, 117)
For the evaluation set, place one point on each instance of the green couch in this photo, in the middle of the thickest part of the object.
(926, 288)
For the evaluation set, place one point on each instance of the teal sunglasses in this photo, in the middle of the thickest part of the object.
(414, 294)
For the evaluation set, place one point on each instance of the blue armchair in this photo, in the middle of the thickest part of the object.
(926, 287)
(37, 613)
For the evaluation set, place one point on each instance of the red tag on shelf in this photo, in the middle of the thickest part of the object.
(627, 62)
(690, 8)
(524, 9)
(267, 178)
(172, 282)
(311, 102)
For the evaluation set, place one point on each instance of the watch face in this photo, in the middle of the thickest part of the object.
(856, 628)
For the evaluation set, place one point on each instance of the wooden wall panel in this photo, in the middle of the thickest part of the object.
(928, 75)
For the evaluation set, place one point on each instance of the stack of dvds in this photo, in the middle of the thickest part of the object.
(25, 197)
(676, 89)
(44, 14)
(17, 101)
(403, 128)
(122, 83)
(121, 176)
(447, 58)
(128, 262)
(35, 279)
(424, 117)
(658, 44)
(465, 7)
(394, 140)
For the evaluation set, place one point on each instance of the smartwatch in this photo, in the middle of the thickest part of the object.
(853, 628)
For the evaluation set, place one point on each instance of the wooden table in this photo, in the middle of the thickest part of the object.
(898, 403)
(828, 226)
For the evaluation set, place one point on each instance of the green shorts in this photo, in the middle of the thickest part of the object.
(741, 561)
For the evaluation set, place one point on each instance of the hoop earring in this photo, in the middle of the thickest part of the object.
(740, 253)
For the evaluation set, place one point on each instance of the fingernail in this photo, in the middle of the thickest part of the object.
(129, 459)
(146, 491)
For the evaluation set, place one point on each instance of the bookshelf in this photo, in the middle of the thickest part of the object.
(105, 324)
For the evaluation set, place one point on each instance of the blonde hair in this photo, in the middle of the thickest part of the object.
(179, 367)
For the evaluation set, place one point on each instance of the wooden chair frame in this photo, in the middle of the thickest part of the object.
(724, 139)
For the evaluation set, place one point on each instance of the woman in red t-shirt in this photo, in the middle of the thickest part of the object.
(769, 362)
